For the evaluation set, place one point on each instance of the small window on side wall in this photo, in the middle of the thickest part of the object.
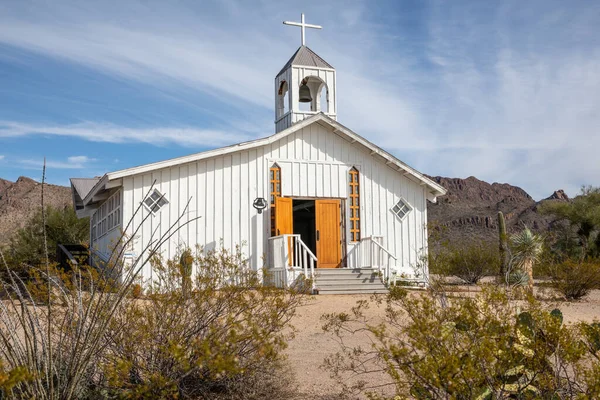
(401, 209)
(354, 197)
(155, 201)
(275, 191)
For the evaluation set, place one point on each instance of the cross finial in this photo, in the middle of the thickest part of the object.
(302, 26)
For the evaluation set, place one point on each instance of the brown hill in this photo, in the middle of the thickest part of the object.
(469, 210)
(21, 199)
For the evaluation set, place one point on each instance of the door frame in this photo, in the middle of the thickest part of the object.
(343, 236)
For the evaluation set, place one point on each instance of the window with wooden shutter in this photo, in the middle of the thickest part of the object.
(354, 198)
(275, 190)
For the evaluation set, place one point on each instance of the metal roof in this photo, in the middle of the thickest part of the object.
(84, 185)
(306, 57)
(337, 128)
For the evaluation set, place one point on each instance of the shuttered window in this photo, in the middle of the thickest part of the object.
(354, 197)
(275, 190)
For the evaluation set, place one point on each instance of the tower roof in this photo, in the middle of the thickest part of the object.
(305, 57)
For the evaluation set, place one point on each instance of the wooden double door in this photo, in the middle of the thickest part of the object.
(327, 228)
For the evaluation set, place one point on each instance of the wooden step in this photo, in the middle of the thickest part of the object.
(349, 281)
(345, 290)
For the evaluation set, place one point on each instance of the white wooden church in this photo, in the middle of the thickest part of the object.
(313, 199)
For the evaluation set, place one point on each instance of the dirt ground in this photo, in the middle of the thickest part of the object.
(311, 344)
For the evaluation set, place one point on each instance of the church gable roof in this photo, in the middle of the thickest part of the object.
(307, 58)
(337, 128)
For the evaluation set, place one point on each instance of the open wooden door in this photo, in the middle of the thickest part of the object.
(329, 244)
(284, 221)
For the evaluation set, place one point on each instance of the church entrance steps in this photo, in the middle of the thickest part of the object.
(348, 281)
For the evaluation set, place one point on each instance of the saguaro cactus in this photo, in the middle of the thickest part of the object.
(503, 242)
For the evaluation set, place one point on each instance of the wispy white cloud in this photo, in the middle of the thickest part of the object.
(1, 157)
(503, 91)
(74, 162)
(110, 133)
(80, 159)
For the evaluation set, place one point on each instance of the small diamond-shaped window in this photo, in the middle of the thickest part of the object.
(401, 209)
(155, 201)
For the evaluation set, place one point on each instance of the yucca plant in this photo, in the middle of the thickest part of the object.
(527, 249)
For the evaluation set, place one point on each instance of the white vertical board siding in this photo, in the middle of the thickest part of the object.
(314, 163)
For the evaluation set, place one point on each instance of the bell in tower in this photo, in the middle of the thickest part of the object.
(304, 94)
(306, 78)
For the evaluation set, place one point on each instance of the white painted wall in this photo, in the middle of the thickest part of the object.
(314, 162)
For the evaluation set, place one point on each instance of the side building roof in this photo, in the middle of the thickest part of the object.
(80, 188)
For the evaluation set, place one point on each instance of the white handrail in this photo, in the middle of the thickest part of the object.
(387, 266)
(289, 252)
(385, 250)
(305, 259)
(374, 246)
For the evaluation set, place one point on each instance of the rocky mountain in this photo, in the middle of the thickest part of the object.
(21, 199)
(469, 210)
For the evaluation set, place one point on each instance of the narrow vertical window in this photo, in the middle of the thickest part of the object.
(275, 189)
(354, 196)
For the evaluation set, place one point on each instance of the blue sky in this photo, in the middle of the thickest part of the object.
(505, 91)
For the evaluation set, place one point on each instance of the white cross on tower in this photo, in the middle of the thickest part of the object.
(302, 25)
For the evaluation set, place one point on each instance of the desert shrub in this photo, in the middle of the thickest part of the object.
(137, 291)
(575, 279)
(583, 216)
(486, 347)
(61, 226)
(468, 261)
(72, 334)
(221, 339)
(10, 378)
(55, 327)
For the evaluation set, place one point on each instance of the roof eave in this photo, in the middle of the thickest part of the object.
(434, 188)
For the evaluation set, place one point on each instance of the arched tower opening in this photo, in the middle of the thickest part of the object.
(323, 99)
(283, 99)
(319, 94)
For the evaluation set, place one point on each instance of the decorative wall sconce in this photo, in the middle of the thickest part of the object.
(260, 204)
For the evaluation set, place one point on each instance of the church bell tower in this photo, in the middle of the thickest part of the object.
(305, 86)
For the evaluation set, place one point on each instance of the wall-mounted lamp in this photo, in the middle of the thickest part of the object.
(260, 204)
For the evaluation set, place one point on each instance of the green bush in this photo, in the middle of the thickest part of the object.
(467, 261)
(220, 336)
(583, 216)
(574, 279)
(78, 335)
(26, 248)
(486, 347)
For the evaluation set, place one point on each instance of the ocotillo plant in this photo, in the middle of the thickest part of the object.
(503, 241)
